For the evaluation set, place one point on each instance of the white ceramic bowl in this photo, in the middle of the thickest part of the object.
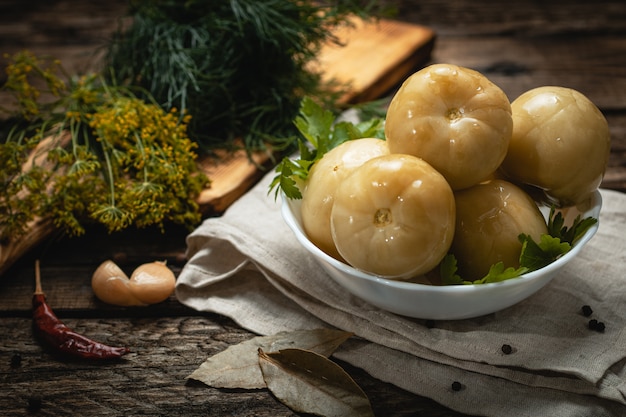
(440, 302)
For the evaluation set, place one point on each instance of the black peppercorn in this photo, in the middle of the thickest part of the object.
(596, 325)
(457, 386)
(34, 404)
(16, 360)
(507, 349)
(587, 311)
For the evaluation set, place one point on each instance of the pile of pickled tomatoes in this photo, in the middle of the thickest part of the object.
(457, 173)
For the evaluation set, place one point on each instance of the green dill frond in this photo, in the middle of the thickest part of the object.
(95, 153)
(239, 67)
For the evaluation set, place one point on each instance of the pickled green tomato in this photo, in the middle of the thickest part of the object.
(324, 178)
(489, 218)
(560, 143)
(455, 119)
(393, 217)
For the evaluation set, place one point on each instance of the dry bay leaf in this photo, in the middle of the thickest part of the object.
(238, 365)
(311, 383)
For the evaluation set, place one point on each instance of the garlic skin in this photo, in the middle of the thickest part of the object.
(150, 283)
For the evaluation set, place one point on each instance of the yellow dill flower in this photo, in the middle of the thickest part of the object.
(127, 162)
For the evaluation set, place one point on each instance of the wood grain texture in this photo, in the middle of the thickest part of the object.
(374, 56)
(520, 45)
(152, 379)
(231, 174)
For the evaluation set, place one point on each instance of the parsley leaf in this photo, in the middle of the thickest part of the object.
(537, 255)
(497, 272)
(284, 180)
(315, 124)
(320, 132)
(448, 271)
(578, 228)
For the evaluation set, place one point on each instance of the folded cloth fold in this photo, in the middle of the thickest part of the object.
(247, 265)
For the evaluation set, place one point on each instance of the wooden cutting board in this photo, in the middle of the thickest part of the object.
(372, 57)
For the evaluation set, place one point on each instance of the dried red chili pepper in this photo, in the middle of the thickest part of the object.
(62, 338)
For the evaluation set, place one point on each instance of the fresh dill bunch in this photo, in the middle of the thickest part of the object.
(239, 67)
(80, 150)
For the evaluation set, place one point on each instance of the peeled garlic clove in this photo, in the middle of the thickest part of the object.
(111, 285)
(152, 282)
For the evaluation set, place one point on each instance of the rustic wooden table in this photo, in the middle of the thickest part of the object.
(524, 44)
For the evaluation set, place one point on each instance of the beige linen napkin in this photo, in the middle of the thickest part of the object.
(247, 265)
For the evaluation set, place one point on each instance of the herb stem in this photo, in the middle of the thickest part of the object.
(110, 175)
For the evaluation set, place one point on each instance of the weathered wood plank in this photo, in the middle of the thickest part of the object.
(615, 177)
(152, 379)
(594, 65)
(72, 31)
(577, 44)
(372, 57)
(149, 381)
(515, 19)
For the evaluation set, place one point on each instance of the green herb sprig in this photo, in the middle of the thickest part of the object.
(79, 150)
(556, 226)
(320, 131)
(533, 256)
(240, 67)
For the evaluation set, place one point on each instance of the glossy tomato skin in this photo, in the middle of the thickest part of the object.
(560, 144)
(393, 217)
(489, 218)
(325, 176)
(455, 119)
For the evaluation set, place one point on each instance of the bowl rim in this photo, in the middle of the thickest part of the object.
(293, 220)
